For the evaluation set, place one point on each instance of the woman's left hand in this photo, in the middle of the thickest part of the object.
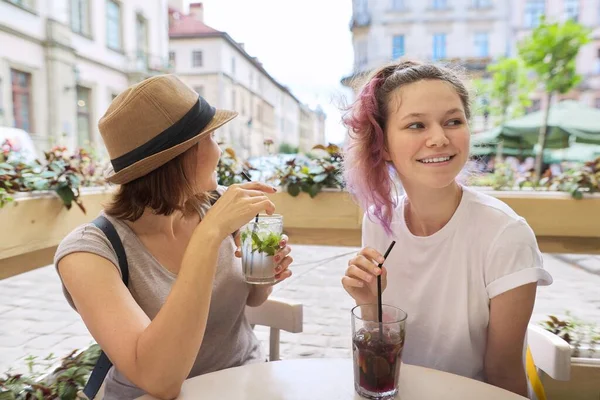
(282, 258)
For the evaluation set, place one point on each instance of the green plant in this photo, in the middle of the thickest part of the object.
(267, 243)
(573, 331)
(287, 148)
(63, 383)
(230, 168)
(576, 181)
(503, 178)
(322, 170)
(508, 90)
(551, 51)
(61, 172)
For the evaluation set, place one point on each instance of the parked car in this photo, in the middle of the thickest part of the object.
(20, 141)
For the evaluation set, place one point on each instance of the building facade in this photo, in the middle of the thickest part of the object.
(220, 69)
(312, 128)
(471, 33)
(63, 61)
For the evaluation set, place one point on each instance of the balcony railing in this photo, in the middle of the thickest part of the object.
(147, 64)
(360, 19)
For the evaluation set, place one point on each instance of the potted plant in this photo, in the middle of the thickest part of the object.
(37, 198)
(60, 172)
(45, 380)
(321, 170)
(585, 361)
(584, 337)
(231, 169)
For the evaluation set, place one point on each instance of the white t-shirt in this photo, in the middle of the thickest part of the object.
(445, 281)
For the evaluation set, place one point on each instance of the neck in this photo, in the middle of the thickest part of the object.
(429, 210)
(151, 224)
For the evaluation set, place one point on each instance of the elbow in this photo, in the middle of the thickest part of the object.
(510, 378)
(160, 384)
(253, 302)
(498, 373)
(258, 296)
(165, 391)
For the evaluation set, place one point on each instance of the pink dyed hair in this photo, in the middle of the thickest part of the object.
(367, 175)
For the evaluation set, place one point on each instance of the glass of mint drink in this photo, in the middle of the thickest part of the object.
(260, 241)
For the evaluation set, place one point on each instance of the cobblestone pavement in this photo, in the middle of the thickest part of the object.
(36, 320)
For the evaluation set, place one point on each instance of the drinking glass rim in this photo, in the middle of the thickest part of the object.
(402, 319)
(267, 216)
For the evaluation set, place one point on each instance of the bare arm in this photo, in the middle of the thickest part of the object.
(509, 316)
(156, 355)
(258, 295)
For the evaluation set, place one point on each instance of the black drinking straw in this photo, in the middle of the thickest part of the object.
(245, 175)
(379, 306)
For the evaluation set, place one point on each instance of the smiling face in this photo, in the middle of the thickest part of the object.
(427, 134)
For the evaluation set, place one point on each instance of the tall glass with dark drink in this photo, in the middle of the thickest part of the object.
(377, 350)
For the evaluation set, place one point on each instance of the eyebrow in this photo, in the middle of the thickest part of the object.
(419, 115)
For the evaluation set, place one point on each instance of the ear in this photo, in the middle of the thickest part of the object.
(386, 154)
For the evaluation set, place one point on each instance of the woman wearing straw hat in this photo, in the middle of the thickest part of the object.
(182, 312)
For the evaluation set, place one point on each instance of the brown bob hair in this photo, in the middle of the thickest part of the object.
(167, 189)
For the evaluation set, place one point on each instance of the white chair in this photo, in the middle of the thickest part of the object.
(277, 314)
(550, 355)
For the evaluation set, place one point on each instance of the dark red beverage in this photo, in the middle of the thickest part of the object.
(377, 363)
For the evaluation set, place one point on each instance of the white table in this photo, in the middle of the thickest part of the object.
(328, 379)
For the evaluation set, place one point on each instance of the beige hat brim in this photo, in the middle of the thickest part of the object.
(154, 161)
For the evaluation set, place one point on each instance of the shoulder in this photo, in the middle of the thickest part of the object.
(373, 232)
(489, 207)
(491, 219)
(510, 252)
(86, 238)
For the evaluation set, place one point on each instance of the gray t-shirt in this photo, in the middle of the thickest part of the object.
(228, 340)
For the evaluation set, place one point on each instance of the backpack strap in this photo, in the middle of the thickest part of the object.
(103, 364)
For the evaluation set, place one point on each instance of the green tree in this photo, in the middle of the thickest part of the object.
(551, 51)
(286, 148)
(507, 92)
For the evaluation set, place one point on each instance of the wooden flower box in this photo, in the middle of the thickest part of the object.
(33, 225)
(562, 224)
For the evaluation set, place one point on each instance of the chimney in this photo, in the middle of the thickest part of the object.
(197, 11)
(179, 5)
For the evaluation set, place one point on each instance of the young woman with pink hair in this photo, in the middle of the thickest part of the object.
(465, 266)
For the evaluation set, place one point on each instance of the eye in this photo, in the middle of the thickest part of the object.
(416, 125)
(455, 122)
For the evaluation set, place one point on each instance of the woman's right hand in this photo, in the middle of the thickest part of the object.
(238, 205)
(360, 280)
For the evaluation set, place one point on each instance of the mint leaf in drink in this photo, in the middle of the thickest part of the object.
(244, 235)
(265, 243)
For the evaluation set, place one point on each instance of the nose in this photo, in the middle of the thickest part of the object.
(437, 137)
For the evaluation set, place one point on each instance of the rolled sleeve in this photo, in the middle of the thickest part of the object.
(514, 260)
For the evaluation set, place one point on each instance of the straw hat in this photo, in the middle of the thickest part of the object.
(152, 122)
